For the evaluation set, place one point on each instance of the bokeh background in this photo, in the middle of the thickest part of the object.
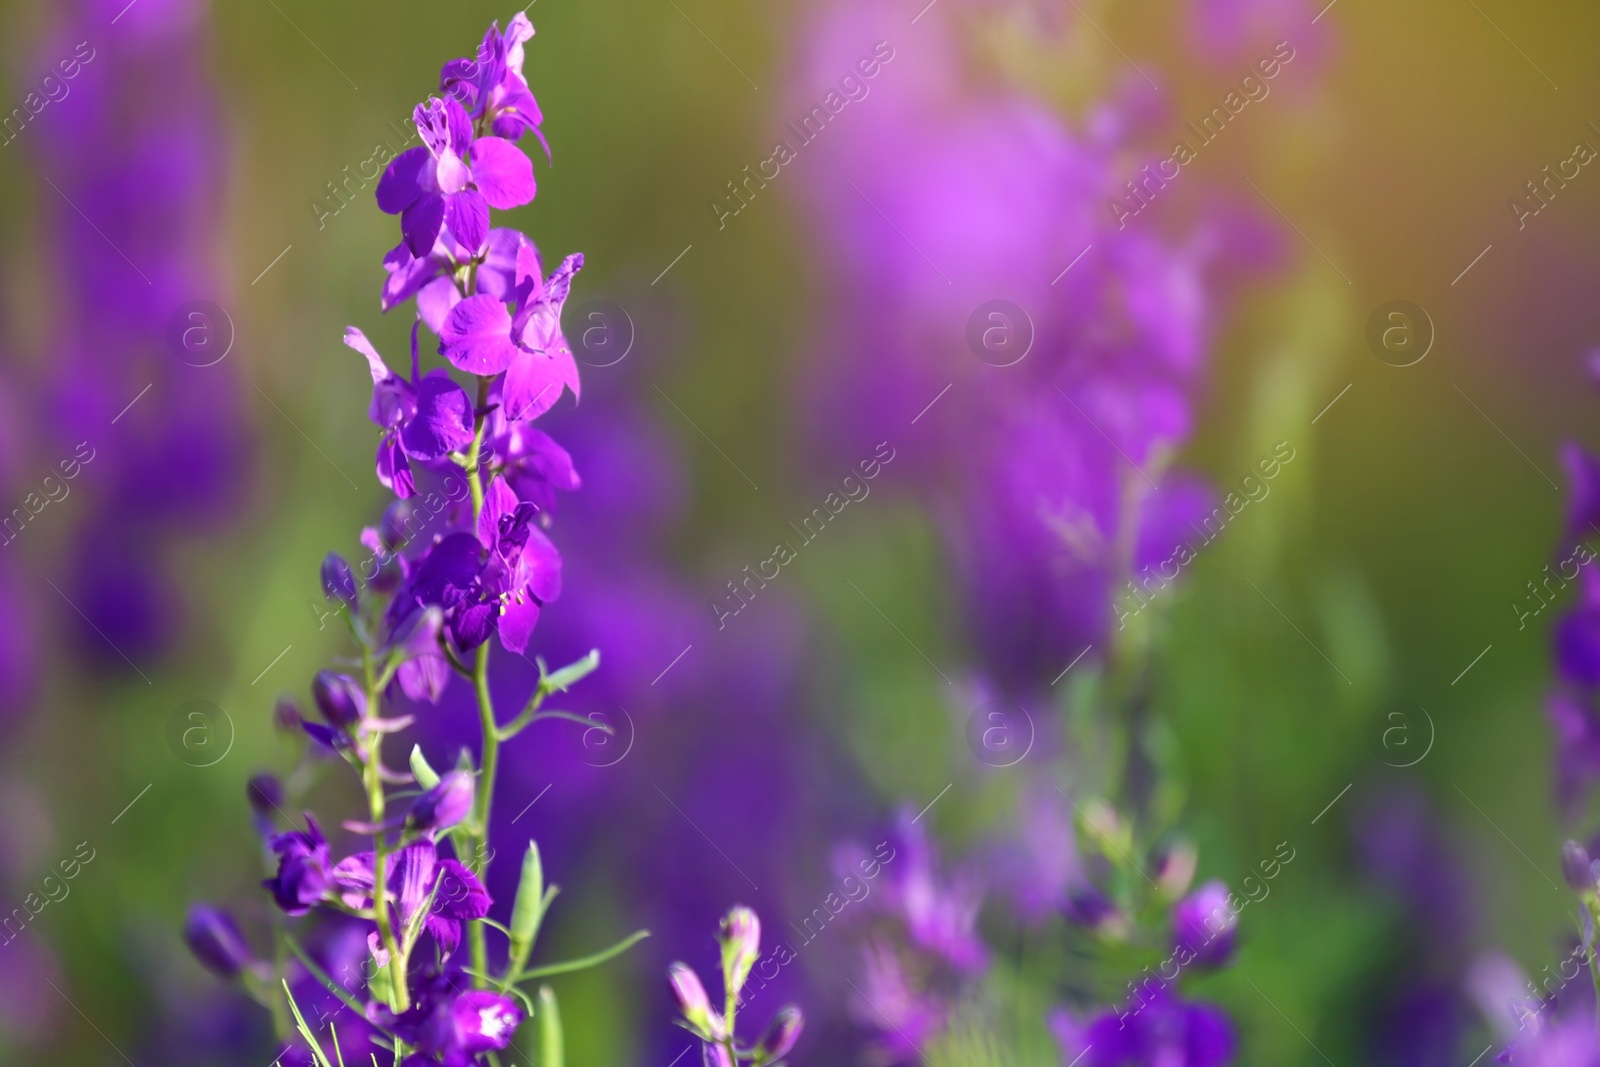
(1390, 553)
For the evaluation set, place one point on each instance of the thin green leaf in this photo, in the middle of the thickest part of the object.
(587, 961)
(551, 1053)
(305, 1031)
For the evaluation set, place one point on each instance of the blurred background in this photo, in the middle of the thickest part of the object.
(747, 344)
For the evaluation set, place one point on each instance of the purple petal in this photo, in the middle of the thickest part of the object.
(517, 621)
(497, 274)
(460, 895)
(408, 275)
(436, 299)
(443, 422)
(459, 124)
(433, 123)
(498, 502)
(420, 223)
(477, 336)
(502, 172)
(401, 183)
(424, 678)
(534, 381)
(357, 340)
(413, 877)
(484, 1021)
(468, 218)
(394, 472)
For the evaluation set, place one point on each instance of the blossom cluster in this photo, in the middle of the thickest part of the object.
(401, 959)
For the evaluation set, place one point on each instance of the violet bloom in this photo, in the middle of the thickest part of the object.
(493, 85)
(425, 418)
(1162, 1031)
(303, 877)
(481, 336)
(452, 180)
(524, 568)
(1577, 635)
(1205, 925)
(413, 875)
(446, 804)
(431, 278)
(529, 460)
(450, 1024)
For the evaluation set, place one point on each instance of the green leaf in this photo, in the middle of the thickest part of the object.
(305, 1031)
(425, 775)
(587, 961)
(570, 675)
(528, 911)
(550, 1052)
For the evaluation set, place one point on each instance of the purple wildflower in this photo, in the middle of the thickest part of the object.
(414, 874)
(424, 418)
(1162, 1031)
(303, 877)
(1205, 925)
(452, 180)
(493, 85)
(446, 804)
(482, 337)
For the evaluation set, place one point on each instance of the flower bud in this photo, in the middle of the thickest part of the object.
(446, 804)
(528, 909)
(265, 794)
(394, 529)
(693, 1001)
(1174, 868)
(781, 1034)
(388, 574)
(1205, 924)
(286, 715)
(741, 946)
(216, 942)
(339, 698)
(1576, 867)
(338, 583)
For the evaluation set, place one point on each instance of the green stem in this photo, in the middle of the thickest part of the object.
(375, 806)
(478, 862)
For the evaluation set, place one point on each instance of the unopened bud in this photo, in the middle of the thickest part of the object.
(216, 942)
(446, 804)
(781, 1034)
(1576, 867)
(339, 698)
(338, 582)
(741, 946)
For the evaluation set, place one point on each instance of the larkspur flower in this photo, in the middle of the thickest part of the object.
(1205, 925)
(452, 179)
(416, 877)
(431, 278)
(1164, 1032)
(482, 336)
(303, 877)
(493, 86)
(424, 418)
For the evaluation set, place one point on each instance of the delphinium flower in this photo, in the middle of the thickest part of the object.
(420, 609)
(921, 949)
(1046, 457)
(721, 1046)
(131, 161)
